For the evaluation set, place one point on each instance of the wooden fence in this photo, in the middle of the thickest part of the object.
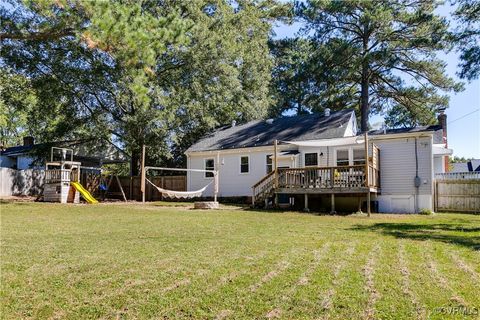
(131, 186)
(457, 195)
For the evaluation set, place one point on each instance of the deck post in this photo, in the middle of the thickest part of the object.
(275, 172)
(332, 200)
(306, 203)
(367, 182)
(275, 165)
(368, 203)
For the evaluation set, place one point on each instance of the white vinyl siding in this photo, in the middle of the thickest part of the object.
(397, 165)
(231, 182)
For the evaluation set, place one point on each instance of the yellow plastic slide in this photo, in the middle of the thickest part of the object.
(85, 194)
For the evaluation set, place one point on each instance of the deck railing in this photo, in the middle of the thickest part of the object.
(57, 175)
(328, 177)
(263, 187)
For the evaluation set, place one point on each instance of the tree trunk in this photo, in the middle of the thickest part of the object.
(364, 106)
(364, 95)
(135, 163)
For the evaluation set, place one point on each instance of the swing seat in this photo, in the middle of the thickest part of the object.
(102, 187)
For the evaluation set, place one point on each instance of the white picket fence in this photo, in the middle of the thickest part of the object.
(21, 182)
(457, 175)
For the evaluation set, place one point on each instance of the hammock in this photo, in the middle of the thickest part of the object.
(179, 194)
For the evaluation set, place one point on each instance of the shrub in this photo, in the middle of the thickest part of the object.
(426, 212)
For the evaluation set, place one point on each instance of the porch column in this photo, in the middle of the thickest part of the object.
(306, 203)
(332, 200)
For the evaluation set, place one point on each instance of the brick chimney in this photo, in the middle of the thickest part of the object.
(442, 121)
(28, 141)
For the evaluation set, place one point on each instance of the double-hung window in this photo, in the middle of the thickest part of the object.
(209, 165)
(269, 163)
(342, 157)
(244, 164)
(311, 159)
(358, 156)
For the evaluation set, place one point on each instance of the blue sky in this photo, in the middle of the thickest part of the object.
(463, 115)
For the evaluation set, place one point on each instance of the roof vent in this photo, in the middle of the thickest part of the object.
(234, 123)
(327, 112)
(269, 121)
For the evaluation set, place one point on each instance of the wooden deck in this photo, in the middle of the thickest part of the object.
(317, 180)
(363, 178)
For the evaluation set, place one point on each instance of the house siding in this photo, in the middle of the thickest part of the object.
(232, 183)
(397, 170)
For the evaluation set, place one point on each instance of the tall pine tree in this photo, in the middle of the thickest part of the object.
(379, 56)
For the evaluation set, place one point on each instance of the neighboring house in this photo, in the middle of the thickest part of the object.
(320, 161)
(468, 166)
(33, 156)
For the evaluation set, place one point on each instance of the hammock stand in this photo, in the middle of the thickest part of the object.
(180, 194)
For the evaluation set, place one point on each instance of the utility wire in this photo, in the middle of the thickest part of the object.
(465, 115)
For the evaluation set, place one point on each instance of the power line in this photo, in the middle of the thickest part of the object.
(465, 115)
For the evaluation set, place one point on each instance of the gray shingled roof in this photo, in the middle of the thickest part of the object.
(437, 132)
(406, 130)
(260, 133)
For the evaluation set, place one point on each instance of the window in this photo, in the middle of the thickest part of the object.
(358, 156)
(209, 165)
(311, 159)
(269, 163)
(342, 157)
(244, 167)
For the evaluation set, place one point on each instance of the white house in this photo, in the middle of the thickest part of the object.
(321, 163)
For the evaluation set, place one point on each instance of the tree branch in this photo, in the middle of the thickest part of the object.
(38, 36)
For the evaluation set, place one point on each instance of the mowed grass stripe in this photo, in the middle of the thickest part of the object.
(256, 296)
(391, 284)
(199, 296)
(181, 296)
(460, 276)
(370, 285)
(418, 311)
(428, 283)
(301, 277)
(302, 300)
(351, 299)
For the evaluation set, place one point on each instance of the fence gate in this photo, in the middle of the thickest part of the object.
(457, 192)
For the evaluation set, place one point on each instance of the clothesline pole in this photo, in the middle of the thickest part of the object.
(215, 187)
(142, 186)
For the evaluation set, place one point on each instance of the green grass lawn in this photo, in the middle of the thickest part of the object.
(146, 261)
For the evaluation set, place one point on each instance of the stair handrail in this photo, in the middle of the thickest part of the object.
(266, 180)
